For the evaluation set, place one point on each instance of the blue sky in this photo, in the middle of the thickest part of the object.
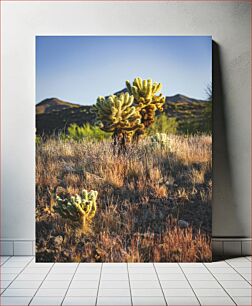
(80, 68)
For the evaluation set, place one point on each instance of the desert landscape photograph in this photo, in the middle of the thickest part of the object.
(123, 148)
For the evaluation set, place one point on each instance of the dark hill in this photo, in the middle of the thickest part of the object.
(182, 98)
(56, 121)
(53, 104)
(54, 115)
(121, 91)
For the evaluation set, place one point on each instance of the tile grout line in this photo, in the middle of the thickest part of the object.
(1, 266)
(0, 277)
(220, 284)
(131, 298)
(189, 284)
(96, 300)
(160, 283)
(239, 273)
(247, 258)
(9, 257)
(16, 276)
(235, 271)
(1, 273)
(41, 283)
(69, 284)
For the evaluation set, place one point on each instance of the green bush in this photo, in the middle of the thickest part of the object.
(86, 131)
(38, 140)
(200, 124)
(163, 124)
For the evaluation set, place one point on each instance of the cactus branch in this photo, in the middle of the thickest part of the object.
(77, 208)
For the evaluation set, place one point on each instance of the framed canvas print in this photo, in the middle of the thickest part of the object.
(123, 148)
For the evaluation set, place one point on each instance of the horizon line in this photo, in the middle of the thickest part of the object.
(78, 103)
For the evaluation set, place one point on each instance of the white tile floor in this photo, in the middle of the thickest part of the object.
(24, 282)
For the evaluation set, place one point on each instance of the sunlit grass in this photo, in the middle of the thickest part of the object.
(142, 195)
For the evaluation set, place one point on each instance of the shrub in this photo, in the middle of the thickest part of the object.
(38, 140)
(163, 124)
(86, 131)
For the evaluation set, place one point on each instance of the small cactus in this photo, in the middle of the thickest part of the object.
(161, 139)
(78, 208)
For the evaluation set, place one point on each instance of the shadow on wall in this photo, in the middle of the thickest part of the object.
(225, 221)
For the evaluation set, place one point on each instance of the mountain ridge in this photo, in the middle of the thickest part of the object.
(54, 115)
(53, 104)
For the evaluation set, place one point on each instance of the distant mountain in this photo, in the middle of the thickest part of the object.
(54, 115)
(53, 104)
(121, 91)
(175, 98)
(182, 98)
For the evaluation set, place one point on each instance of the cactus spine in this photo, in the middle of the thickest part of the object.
(118, 115)
(78, 208)
(146, 101)
(127, 115)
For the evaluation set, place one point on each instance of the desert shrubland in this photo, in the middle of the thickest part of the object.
(142, 194)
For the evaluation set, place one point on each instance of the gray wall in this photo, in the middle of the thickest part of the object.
(227, 22)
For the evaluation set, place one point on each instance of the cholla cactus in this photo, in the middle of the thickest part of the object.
(117, 114)
(146, 100)
(127, 115)
(161, 139)
(77, 208)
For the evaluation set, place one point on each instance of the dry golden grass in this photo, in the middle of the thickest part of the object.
(142, 195)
